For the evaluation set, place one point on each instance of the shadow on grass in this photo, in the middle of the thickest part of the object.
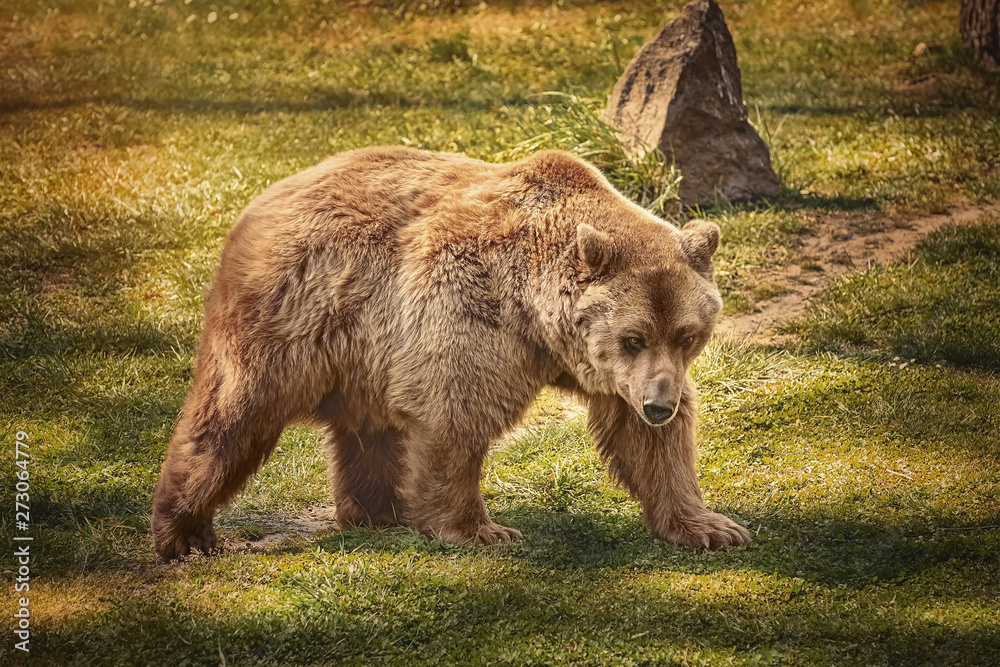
(96, 454)
(95, 381)
(793, 199)
(316, 100)
(403, 610)
(816, 110)
(938, 106)
(32, 334)
(822, 548)
(789, 199)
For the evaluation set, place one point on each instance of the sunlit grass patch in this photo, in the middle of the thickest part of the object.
(554, 467)
(295, 476)
(871, 442)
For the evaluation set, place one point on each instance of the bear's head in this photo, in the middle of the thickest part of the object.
(647, 307)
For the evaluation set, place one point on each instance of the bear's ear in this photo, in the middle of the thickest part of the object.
(596, 249)
(699, 239)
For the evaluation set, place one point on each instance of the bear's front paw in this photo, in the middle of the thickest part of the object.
(487, 533)
(494, 533)
(707, 530)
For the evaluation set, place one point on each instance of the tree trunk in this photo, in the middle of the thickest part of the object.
(980, 28)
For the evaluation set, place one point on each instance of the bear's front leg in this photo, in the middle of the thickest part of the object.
(657, 464)
(441, 496)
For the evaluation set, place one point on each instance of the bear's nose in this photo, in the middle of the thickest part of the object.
(655, 413)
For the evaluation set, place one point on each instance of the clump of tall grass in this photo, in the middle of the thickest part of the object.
(574, 124)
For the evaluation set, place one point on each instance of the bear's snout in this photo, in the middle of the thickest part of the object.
(657, 414)
(660, 398)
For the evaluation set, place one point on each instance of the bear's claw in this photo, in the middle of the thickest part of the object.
(494, 533)
(707, 530)
(488, 533)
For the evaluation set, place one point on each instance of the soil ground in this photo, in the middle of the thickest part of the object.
(835, 245)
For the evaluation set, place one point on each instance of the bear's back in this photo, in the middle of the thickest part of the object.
(364, 196)
(320, 243)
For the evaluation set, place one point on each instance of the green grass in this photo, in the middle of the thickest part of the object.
(940, 306)
(864, 458)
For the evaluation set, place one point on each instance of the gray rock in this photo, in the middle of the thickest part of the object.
(682, 94)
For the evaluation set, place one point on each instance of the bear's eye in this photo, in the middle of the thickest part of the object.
(634, 344)
(688, 342)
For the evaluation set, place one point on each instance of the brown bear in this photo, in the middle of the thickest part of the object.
(412, 304)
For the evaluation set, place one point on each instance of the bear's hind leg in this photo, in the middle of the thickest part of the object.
(229, 425)
(657, 464)
(365, 470)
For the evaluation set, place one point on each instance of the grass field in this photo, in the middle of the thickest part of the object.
(865, 457)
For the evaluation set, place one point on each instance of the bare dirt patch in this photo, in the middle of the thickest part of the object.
(280, 527)
(836, 244)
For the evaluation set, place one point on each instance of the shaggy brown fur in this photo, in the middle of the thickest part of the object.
(413, 304)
